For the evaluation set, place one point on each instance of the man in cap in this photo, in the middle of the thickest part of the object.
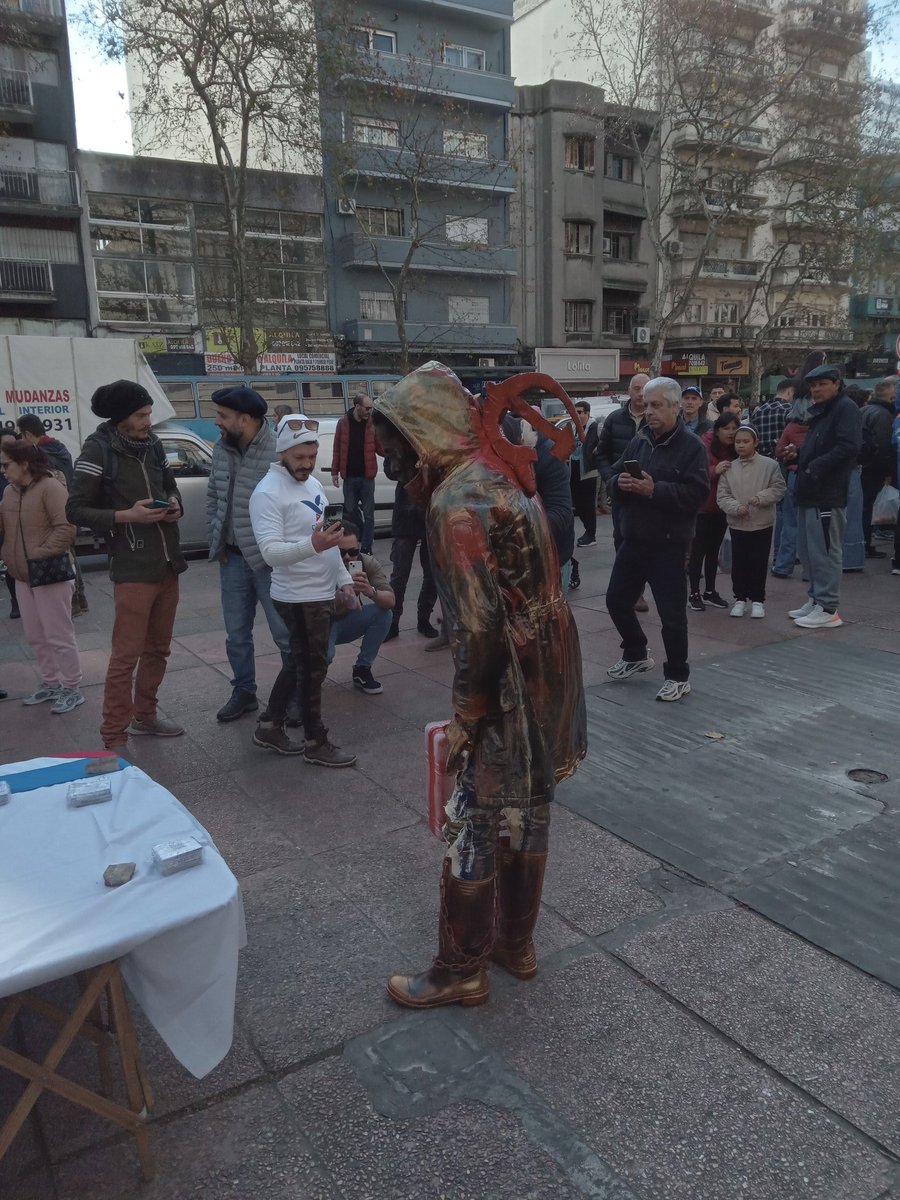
(123, 487)
(829, 453)
(286, 511)
(691, 405)
(241, 457)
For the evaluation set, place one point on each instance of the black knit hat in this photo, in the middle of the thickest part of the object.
(117, 401)
(241, 399)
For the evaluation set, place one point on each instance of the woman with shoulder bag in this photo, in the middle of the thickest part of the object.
(37, 540)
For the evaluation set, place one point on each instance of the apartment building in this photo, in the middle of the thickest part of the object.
(418, 180)
(42, 278)
(745, 258)
(578, 220)
(160, 270)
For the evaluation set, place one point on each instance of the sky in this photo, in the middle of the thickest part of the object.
(102, 113)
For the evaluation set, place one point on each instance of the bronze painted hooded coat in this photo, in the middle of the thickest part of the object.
(514, 642)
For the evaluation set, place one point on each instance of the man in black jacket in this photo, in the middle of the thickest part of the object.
(658, 500)
(877, 456)
(693, 411)
(123, 487)
(618, 430)
(824, 462)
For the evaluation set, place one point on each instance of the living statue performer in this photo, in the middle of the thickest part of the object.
(519, 725)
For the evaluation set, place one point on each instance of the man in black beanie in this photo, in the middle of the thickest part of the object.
(241, 457)
(123, 487)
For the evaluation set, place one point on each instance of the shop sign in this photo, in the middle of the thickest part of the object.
(579, 366)
(690, 364)
(168, 345)
(732, 364)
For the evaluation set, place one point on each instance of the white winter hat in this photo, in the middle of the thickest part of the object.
(296, 429)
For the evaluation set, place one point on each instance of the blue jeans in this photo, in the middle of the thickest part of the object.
(786, 550)
(359, 507)
(854, 548)
(242, 589)
(370, 623)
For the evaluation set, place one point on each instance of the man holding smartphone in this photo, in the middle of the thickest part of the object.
(659, 485)
(286, 513)
(122, 486)
(368, 616)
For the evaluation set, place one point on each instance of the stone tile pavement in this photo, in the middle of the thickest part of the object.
(676, 1045)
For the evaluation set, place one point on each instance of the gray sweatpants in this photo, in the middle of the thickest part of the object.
(820, 544)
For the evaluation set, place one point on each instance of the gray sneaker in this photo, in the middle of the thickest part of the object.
(322, 753)
(67, 699)
(47, 691)
(624, 669)
(156, 727)
(270, 736)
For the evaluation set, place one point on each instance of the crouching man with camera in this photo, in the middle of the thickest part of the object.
(299, 539)
(658, 487)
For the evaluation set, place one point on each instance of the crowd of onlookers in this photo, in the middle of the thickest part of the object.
(697, 488)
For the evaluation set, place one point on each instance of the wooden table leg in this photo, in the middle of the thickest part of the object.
(84, 1020)
(69, 1031)
(128, 1053)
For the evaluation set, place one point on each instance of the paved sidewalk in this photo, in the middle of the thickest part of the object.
(698, 1029)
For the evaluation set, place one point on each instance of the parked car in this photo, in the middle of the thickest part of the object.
(190, 458)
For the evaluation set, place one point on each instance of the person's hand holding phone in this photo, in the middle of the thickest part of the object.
(173, 511)
(635, 481)
(326, 537)
(143, 512)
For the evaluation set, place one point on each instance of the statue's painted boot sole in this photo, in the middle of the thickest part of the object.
(416, 991)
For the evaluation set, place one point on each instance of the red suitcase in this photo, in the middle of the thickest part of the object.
(440, 784)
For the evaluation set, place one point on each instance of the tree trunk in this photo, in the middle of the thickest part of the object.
(756, 367)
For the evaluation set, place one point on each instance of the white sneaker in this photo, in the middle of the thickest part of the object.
(624, 669)
(67, 699)
(672, 690)
(47, 691)
(740, 607)
(757, 609)
(819, 619)
(804, 611)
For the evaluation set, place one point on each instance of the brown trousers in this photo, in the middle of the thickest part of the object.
(142, 637)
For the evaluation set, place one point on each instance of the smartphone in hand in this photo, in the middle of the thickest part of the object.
(633, 467)
(354, 566)
(159, 504)
(333, 513)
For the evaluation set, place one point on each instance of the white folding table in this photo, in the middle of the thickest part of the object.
(174, 939)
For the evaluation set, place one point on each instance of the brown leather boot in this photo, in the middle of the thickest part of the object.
(466, 933)
(521, 880)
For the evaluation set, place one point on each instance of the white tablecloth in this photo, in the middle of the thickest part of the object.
(178, 936)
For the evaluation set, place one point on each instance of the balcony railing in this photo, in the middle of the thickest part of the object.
(46, 9)
(22, 278)
(56, 189)
(15, 88)
(735, 267)
(829, 22)
(805, 335)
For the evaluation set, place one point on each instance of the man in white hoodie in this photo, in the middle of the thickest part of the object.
(286, 511)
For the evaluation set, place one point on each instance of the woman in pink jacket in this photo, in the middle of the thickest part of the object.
(33, 526)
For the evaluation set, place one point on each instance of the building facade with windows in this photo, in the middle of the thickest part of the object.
(584, 258)
(748, 258)
(42, 274)
(418, 178)
(159, 267)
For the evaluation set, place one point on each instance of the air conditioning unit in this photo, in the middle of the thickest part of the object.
(346, 207)
(674, 249)
(640, 335)
(607, 247)
(487, 362)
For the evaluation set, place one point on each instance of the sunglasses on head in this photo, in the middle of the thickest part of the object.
(297, 424)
